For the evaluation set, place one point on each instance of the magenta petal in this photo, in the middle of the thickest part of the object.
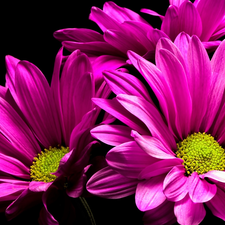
(163, 214)
(124, 83)
(176, 184)
(170, 24)
(112, 134)
(35, 100)
(152, 13)
(152, 146)
(38, 186)
(149, 115)
(159, 168)
(109, 184)
(189, 19)
(177, 2)
(128, 159)
(113, 107)
(215, 175)
(201, 191)
(211, 15)
(149, 193)
(188, 212)
(46, 218)
(154, 35)
(200, 81)
(217, 204)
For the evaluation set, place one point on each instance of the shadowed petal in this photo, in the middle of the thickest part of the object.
(149, 193)
(112, 134)
(215, 175)
(188, 212)
(38, 186)
(154, 35)
(109, 184)
(152, 13)
(201, 190)
(128, 159)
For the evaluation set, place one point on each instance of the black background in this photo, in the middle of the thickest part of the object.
(27, 34)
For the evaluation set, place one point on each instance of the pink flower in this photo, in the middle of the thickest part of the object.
(170, 156)
(124, 30)
(57, 118)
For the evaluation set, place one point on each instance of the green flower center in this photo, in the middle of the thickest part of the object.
(47, 162)
(201, 153)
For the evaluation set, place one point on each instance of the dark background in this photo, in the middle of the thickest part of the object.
(27, 33)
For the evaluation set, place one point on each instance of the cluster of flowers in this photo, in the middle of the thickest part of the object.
(168, 152)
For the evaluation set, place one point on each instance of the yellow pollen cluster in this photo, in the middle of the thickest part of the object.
(201, 153)
(47, 162)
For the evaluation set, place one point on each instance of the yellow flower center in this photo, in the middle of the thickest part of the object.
(201, 153)
(47, 162)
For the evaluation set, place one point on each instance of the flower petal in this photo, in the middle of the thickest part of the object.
(201, 191)
(35, 100)
(152, 13)
(217, 204)
(215, 175)
(149, 193)
(175, 185)
(177, 2)
(112, 134)
(128, 159)
(149, 115)
(109, 184)
(38, 186)
(188, 212)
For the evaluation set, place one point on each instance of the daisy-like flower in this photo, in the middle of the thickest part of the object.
(45, 136)
(126, 30)
(171, 156)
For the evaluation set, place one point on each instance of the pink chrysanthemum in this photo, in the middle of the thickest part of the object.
(126, 30)
(45, 135)
(171, 156)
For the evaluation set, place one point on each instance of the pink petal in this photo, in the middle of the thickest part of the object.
(215, 175)
(113, 107)
(78, 34)
(163, 214)
(200, 81)
(188, 212)
(159, 168)
(38, 186)
(18, 133)
(211, 14)
(128, 159)
(170, 24)
(152, 146)
(175, 185)
(217, 204)
(154, 35)
(109, 184)
(201, 191)
(152, 13)
(46, 218)
(177, 2)
(112, 134)
(211, 46)
(35, 100)
(176, 78)
(149, 193)
(189, 19)
(124, 83)
(149, 115)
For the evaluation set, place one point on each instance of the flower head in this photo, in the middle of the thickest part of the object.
(45, 134)
(171, 156)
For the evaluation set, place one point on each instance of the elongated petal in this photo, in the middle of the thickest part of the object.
(217, 204)
(152, 13)
(189, 19)
(200, 81)
(149, 193)
(78, 34)
(170, 24)
(128, 159)
(109, 184)
(177, 2)
(112, 134)
(124, 83)
(152, 146)
(175, 76)
(215, 175)
(113, 107)
(188, 212)
(201, 191)
(38, 186)
(217, 86)
(45, 218)
(163, 214)
(211, 14)
(159, 168)
(175, 185)
(17, 132)
(154, 35)
(149, 115)
(35, 100)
